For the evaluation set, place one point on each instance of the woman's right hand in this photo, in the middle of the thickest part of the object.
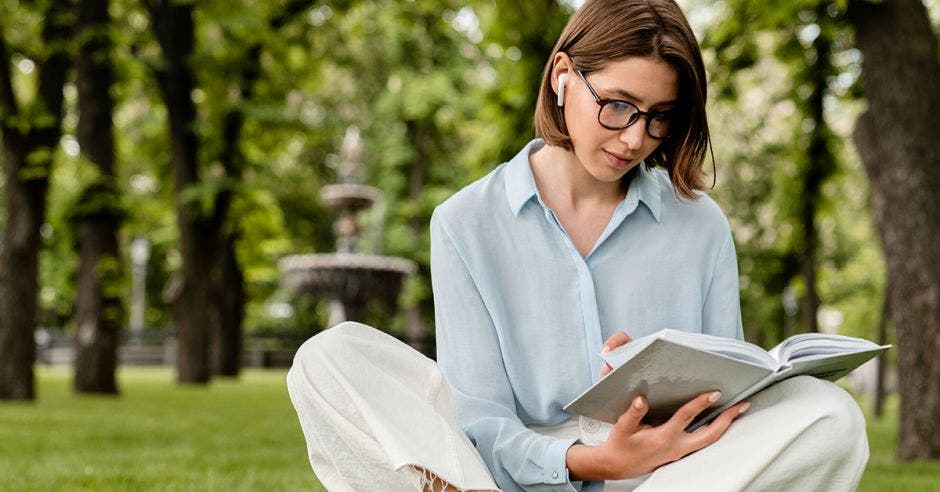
(633, 449)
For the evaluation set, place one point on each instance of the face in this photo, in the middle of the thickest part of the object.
(607, 155)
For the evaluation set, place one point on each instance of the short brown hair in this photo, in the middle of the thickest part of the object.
(602, 31)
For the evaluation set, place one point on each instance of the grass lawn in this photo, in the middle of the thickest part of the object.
(231, 436)
(883, 473)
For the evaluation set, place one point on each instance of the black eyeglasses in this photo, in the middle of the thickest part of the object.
(617, 114)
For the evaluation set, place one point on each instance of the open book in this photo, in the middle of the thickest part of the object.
(672, 367)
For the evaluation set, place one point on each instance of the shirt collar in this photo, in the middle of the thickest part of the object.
(645, 187)
(520, 183)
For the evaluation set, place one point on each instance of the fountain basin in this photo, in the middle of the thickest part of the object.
(349, 196)
(350, 278)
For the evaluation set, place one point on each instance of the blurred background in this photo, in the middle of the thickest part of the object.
(191, 189)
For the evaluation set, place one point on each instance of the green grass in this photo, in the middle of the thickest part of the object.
(883, 474)
(231, 436)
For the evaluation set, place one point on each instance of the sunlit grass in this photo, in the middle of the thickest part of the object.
(883, 472)
(231, 436)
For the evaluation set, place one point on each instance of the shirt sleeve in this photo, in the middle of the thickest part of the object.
(721, 312)
(471, 359)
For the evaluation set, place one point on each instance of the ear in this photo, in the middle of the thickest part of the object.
(561, 67)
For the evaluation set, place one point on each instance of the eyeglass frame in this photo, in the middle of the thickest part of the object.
(650, 115)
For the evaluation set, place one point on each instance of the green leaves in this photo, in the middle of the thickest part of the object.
(784, 73)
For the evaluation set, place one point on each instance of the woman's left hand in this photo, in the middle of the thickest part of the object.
(615, 340)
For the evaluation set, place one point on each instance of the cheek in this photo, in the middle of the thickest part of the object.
(581, 119)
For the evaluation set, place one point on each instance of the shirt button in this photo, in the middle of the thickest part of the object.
(592, 426)
(554, 474)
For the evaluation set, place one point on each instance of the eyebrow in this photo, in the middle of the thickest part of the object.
(627, 95)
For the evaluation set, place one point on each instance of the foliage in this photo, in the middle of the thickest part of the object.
(443, 92)
(764, 59)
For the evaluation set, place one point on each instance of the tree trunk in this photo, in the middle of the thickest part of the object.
(897, 140)
(820, 165)
(226, 347)
(175, 31)
(880, 391)
(227, 289)
(416, 327)
(27, 161)
(99, 309)
(228, 285)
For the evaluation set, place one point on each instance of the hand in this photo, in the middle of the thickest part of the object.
(633, 449)
(615, 340)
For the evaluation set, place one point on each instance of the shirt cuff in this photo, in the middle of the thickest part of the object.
(556, 471)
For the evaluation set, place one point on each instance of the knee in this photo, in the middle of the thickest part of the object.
(835, 416)
(327, 351)
(331, 341)
(835, 404)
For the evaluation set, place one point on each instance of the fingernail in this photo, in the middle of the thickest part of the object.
(744, 408)
(638, 403)
(714, 396)
(605, 349)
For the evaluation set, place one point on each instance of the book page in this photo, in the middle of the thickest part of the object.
(727, 347)
(817, 345)
(833, 367)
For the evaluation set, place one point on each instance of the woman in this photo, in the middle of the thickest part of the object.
(592, 234)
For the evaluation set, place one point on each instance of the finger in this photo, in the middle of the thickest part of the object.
(708, 434)
(685, 414)
(629, 422)
(615, 340)
(606, 369)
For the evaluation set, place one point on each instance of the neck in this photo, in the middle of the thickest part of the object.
(562, 180)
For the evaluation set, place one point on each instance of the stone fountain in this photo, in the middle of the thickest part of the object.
(347, 279)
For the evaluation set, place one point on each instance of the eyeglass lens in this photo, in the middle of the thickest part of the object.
(616, 115)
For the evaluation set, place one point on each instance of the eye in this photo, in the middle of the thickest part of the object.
(622, 108)
(662, 117)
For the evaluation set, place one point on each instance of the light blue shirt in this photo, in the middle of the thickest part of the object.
(521, 316)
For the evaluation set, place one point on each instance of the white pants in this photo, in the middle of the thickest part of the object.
(373, 410)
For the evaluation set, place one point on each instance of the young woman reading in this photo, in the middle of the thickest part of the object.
(595, 232)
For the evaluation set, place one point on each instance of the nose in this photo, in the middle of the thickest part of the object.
(634, 135)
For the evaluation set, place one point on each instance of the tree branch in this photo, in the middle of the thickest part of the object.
(230, 155)
(7, 98)
(53, 69)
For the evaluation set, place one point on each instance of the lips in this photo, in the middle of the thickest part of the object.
(618, 160)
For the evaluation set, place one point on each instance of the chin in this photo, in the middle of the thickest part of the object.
(610, 175)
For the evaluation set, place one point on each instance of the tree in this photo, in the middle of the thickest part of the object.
(803, 37)
(228, 291)
(31, 134)
(174, 27)
(897, 140)
(99, 308)
(207, 185)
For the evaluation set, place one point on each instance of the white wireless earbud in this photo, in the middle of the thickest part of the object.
(561, 89)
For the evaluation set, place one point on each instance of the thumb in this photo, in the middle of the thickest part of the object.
(629, 422)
